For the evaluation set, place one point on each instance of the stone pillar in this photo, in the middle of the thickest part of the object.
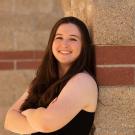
(82, 9)
(113, 24)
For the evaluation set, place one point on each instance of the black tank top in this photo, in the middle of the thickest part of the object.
(80, 125)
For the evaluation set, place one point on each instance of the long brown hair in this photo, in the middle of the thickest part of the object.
(47, 85)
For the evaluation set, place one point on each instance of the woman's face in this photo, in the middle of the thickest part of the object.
(67, 44)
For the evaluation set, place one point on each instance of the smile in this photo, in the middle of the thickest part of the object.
(65, 52)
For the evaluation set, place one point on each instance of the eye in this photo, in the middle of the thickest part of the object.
(58, 38)
(73, 39)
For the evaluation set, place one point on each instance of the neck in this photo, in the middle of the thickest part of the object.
(63, 68)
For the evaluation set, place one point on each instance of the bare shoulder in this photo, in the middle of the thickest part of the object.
(84, 79)
(87, 87)
(78, 94)
(83, 89)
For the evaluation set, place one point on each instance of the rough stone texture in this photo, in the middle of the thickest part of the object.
(78, 8)
(115, 111)
(13, 83)
(114, 22)
(24, 24)
(36, 41)
(6, 40)
(114, 131)
(6, 6)
(33, 6)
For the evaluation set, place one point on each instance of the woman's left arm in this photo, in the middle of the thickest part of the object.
(80, 92)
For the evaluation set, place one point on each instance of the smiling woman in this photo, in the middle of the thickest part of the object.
(62, 98)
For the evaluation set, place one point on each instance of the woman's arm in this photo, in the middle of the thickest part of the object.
(79, 92)
(15, 121)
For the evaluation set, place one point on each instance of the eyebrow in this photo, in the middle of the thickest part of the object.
(69, 35)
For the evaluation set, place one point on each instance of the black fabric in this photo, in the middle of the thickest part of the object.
(80, 125)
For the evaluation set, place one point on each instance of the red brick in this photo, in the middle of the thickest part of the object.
(4, 55)
(27, 64)
(38, 54)
(115, 76)
(115, 55)
(6, 65)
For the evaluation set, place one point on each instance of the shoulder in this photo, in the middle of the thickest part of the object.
(85, 87)
(83, 79)
(81, 83)
(78, 94)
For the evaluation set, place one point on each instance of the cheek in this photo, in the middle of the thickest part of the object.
(78, 49)
(54, 48)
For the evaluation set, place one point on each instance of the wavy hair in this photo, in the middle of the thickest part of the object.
(47, 85)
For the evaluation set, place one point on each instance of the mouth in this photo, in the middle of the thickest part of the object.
(64, 52)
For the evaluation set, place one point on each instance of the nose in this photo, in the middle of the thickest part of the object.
(65, 43)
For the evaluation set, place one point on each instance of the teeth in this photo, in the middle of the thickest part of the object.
(65, 52)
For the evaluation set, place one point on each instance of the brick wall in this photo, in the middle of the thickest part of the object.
(24, 29)
(113, 26)
(115, 64)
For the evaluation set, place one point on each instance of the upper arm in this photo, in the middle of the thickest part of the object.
(72, 99)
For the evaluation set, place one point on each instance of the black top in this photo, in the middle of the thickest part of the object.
(79, 125)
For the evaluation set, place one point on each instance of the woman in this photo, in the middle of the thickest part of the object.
(62, 98)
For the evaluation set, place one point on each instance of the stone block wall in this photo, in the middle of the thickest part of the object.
(24, 29)
(115, 41)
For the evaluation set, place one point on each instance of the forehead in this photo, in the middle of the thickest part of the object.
(69, 29)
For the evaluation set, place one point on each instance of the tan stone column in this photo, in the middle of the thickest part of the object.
(113, 24)
(82, 9)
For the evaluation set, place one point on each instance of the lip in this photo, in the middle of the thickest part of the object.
(64, 52)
